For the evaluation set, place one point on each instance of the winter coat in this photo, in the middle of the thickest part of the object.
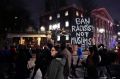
(56, 69)
(68, 56)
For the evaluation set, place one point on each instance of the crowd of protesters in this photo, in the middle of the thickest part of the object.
(57, 61)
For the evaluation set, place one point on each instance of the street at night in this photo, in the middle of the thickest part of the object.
(59, 39)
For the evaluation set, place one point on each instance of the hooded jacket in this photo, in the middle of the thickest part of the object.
(56, 69)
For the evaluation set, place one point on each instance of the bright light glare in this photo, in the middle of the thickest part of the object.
(101, 30)
(77, 13)
(66, 13)
(50, 17)
(54, 26)
(67, 23)
(16, 17)
(58, 15)
(42, 28)
(67, 37)
(58, 38)
(118, 25)
(119, 33)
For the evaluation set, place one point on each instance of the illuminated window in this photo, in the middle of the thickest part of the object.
(50, 27)
(118, 33)
(67, 23)
(42, 28)
(15, 17)
(111, 24)
(97, 29)
(58, 15)
(101, 30)
(67, 37)
(118, 25)
(58, 38)
(50, 17)
(81, 15)
(54, 26)
(77, 13)
(66, 13)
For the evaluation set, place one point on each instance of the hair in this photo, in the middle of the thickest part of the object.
(63, 46)
(93, 48)
(101, 45)
(56, 48)
(79, 45)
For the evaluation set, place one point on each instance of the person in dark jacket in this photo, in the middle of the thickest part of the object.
(56, 68)
(21, 62)
(92, 62)
(68, 56)
(43, 59)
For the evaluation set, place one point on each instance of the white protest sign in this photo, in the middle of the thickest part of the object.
(82, 31)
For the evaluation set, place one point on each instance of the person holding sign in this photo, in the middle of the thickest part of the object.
(80, 54)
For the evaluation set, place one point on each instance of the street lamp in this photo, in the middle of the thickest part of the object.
(118, 25)
(118, 33)
(15, 17)
(101, 30)
(103, 37)
(42, 29)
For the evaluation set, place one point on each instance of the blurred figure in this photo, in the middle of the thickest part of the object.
(68, 56)
(56, 68)
(22, 59)
(5, 62)
(43, 59)
(92, 62)
(104, 61)
(80, 54)
(74, 60)
(103, 54)
(118, 53)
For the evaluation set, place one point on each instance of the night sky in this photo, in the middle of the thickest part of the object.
(35, 8)
(112, 6)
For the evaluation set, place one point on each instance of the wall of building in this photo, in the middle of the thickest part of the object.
(102, 20)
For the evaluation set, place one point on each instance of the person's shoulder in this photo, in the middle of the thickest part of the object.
(58, 59)
(61, 60)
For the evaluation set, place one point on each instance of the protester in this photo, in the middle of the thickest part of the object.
(80, 54)
(43, 59)
(21, 62)
(74, 60)
(68, 56)
(92, 62)
(56, 68)
(5, 62)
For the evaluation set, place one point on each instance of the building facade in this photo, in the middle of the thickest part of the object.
(96, 28)
(103, 27)
(62, 20)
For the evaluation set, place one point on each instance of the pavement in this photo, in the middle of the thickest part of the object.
(79, 71)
